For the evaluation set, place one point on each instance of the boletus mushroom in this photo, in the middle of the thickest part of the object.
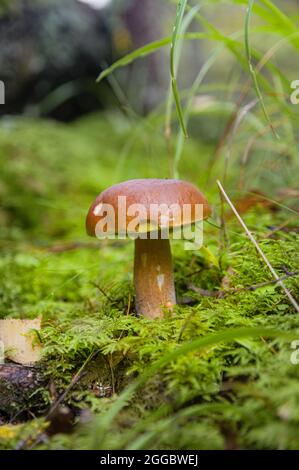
(150, 211)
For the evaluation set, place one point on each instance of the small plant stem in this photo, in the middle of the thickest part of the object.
(222, 293)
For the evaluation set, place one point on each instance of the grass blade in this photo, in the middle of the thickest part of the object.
(176, 31)
(251, 68)
(185, 24)
(136, 54)
(193, 90)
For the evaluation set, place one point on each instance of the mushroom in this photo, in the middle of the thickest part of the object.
(164, 207)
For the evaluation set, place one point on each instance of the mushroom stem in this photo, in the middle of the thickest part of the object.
(153, 277)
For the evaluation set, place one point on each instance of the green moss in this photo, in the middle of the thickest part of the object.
(242, 394)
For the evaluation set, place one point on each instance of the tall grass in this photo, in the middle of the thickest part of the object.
(258, 65)
(176, 31)
(251, 68)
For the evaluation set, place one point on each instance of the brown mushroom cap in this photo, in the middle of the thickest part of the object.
(148, 192)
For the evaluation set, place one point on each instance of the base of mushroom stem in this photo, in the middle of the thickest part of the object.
(161, 312)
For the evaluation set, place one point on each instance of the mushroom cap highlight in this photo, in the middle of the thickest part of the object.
(168, 193)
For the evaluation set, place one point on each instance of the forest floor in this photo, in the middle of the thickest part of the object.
(208, 377)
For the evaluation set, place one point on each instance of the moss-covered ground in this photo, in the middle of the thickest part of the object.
(238, 392)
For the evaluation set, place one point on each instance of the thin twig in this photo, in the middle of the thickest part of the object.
(75, 379)
(269, 283)
(129, 305)
(110, 362)
(223, 232)
(278, 228)
(205, 292)
(260, 251)
(60, 248)
(101, 290)
(73, 382)
(222, 293)
(71, 246)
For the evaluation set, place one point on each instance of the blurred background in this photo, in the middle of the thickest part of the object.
(59, 129)
(52, 51)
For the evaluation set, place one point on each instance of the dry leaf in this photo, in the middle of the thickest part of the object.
(19, 340)
(251, 200)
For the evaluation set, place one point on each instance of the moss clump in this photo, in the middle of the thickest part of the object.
(237, 394)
